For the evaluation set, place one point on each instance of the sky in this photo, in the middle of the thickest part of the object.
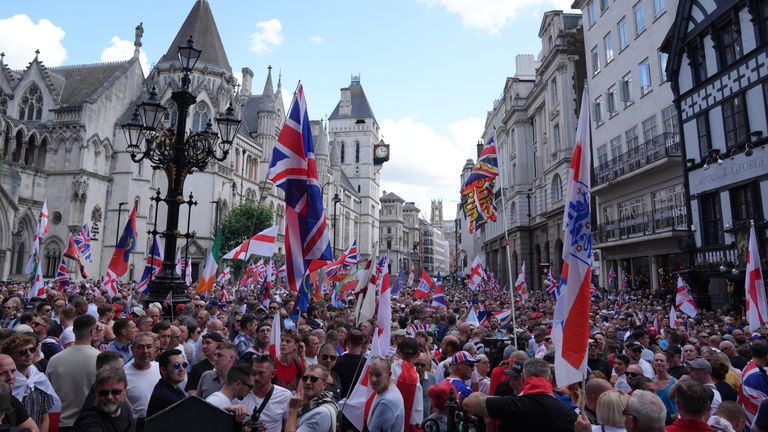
(431, 69)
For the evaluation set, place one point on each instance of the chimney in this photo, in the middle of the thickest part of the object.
(245, 90)
(345, 105)
(479, 148)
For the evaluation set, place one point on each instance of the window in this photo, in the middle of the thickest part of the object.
(669, 208)
(200, 117)
(698, 62)
(357, 152)
(343, 150)
(608, 47)
(616, 148)
(735, 121)
(623, 34)
(631, 139)
(171, 115)
(603, 5)
(632, 220)
(557, 189)
(626, 89)
(31, 104)
(645, 77)
(669, 118)
(659, 6)
(745, 202)
(729, 46)
(762, 15)
(556, 137)
(553, 91)
(711, 220)
(639, 12)
(610, 100)
(602, 155)
(650, 129)
(595, 60)
(599, 110)
(591, 16)
(702, 130)
(662, 66)
(3, 104)
(609, 222)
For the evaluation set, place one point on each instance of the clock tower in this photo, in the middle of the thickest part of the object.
(380, 153)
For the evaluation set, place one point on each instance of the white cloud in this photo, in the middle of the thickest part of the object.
(20, 37)
(121, 50)
(268, 36)
(317, 40)
(426, 165)
(493, 15)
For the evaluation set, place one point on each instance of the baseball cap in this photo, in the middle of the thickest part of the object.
(214, 337)
(699, 363)
(515, 369)
(756, 336)
(408, 346)
(463, 356)
(213, 303)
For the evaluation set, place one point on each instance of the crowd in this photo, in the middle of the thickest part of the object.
(76, 360)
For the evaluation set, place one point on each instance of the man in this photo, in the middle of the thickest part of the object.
(701, 371)
(143, 374)
(263, 333)
(741, 339)
(644, 338)
(289, 366)
(67, 320)
(406, 378)
(426, 378)
(72, 372)
(535, 410)
(32, 388)
(244, 339)
(594, 388)
(693, 404)
(644, 412)
(754, 386)
(311, 346)
(212, 380)
(731, 414)
(327, 358)
(729, 349)
(462, 366)
(105, 359)
(49, 345)
(449, 346)
(349, 366)
(322, 411)
(385, 410)
(595, 359)
(210, 343)
(163, 331)
(268, 401)
(676, 367)
(173, 370)
(11, 313)
(634, 350)
(17, 416)
(106, 314)
(238, 384)
(154, 314)
(124, 330)
(110, 411)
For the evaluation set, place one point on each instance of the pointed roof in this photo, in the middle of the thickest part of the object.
(391, 196)
(82, 83)
(202, 27)
(361, 109)
(268, 89)
(319, 138)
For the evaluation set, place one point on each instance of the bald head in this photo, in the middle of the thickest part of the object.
(595, 387)
(7, 369)
(216, 326)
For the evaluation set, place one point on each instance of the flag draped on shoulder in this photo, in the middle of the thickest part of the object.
(293, 169)
(477, 200)
(570, 326)
(154, 264)
(683, 299)
(757, 310)
(208, 276)
(425, 285)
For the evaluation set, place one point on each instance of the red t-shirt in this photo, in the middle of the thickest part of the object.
(288, 376)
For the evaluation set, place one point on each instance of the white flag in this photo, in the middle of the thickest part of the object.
(757, 310)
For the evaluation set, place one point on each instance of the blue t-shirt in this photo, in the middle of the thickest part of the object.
(461, 388)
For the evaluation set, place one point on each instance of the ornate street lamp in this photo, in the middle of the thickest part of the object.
(178, 153)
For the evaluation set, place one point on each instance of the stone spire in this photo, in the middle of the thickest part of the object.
(201, 26)
(268, 88)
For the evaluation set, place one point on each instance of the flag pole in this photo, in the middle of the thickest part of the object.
(506, 248)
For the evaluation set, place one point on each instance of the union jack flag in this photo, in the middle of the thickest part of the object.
(62, 279)
(153, 266)
(347, 259)
(611, 278)
(83, 243)
(596, 292)
(551, 285)
(293, 169)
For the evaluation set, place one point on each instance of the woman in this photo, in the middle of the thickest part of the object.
(664, 381)
(610, 408)
(438, 396)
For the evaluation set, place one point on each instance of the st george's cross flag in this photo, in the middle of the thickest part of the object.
(225, 275)
(570, 326)
(520, 285)
(153, 266)
(425, 284)
(44, 217)
(262, 244)
(384, 311)
(293, 169)
(476, 274)
(683, 299)
(757, 310)
(672, 317)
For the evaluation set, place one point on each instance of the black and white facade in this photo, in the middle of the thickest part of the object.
(718, 65)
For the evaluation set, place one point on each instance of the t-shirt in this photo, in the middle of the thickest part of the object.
(348, 367)
(762, 415)
(16, 415)
(72, 372)
(288, 375)
(317, 420)
(274, 412)
(196, 372)
(220, 400)
(141, 383)
(387, 412)
(93, 419)
(67, 336)
(533, 412)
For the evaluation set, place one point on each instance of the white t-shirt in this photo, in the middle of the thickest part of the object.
(219, 400)
(647, 369)
(276, 410)
(141, 383)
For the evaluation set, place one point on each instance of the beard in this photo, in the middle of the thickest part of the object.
(107, 407)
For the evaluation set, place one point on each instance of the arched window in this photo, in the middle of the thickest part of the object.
(52, 258)
(357, 152)
(200, 117)
(16, 157)
(31, 104)
(29, 153)
(3, 104)
(557, 189)
(20, 258)
(41, 153)
(342, 152)
(171, 115)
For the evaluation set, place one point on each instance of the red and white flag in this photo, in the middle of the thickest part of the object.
(44, 217)
(188, 272)
(262, 244)
(425, 284)
(683, 299)
(570, 326)
(384, 314)
(274, 337)
(757, 310)
(225, 275)
(520, 285)
(476, 274)
(672, 317)
(354, 407)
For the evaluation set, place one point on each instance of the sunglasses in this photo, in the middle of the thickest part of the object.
(328, 357)
(311, 378)
(28, 351)
(181, 365)
(469, 365)
(114, 392)
(632, 374)
(420, 364)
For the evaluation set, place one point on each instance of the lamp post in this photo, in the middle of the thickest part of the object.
(336, 201)
(119, 213)
(178, 154)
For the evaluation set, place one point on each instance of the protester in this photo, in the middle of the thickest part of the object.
(267, 403)
(173, 370)
(238, 384)
(693, 405)
(386, 412)
(142, 374)
(110, 411)
(31, 387)
(312, 409)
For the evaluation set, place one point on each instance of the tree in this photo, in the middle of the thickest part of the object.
(242, 222)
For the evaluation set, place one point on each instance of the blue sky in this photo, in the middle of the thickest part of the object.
(430, 68)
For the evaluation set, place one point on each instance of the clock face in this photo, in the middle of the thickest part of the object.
(382, 151)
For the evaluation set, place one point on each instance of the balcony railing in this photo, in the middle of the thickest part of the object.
(715, 257)
(660, 221)
(660, 147)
